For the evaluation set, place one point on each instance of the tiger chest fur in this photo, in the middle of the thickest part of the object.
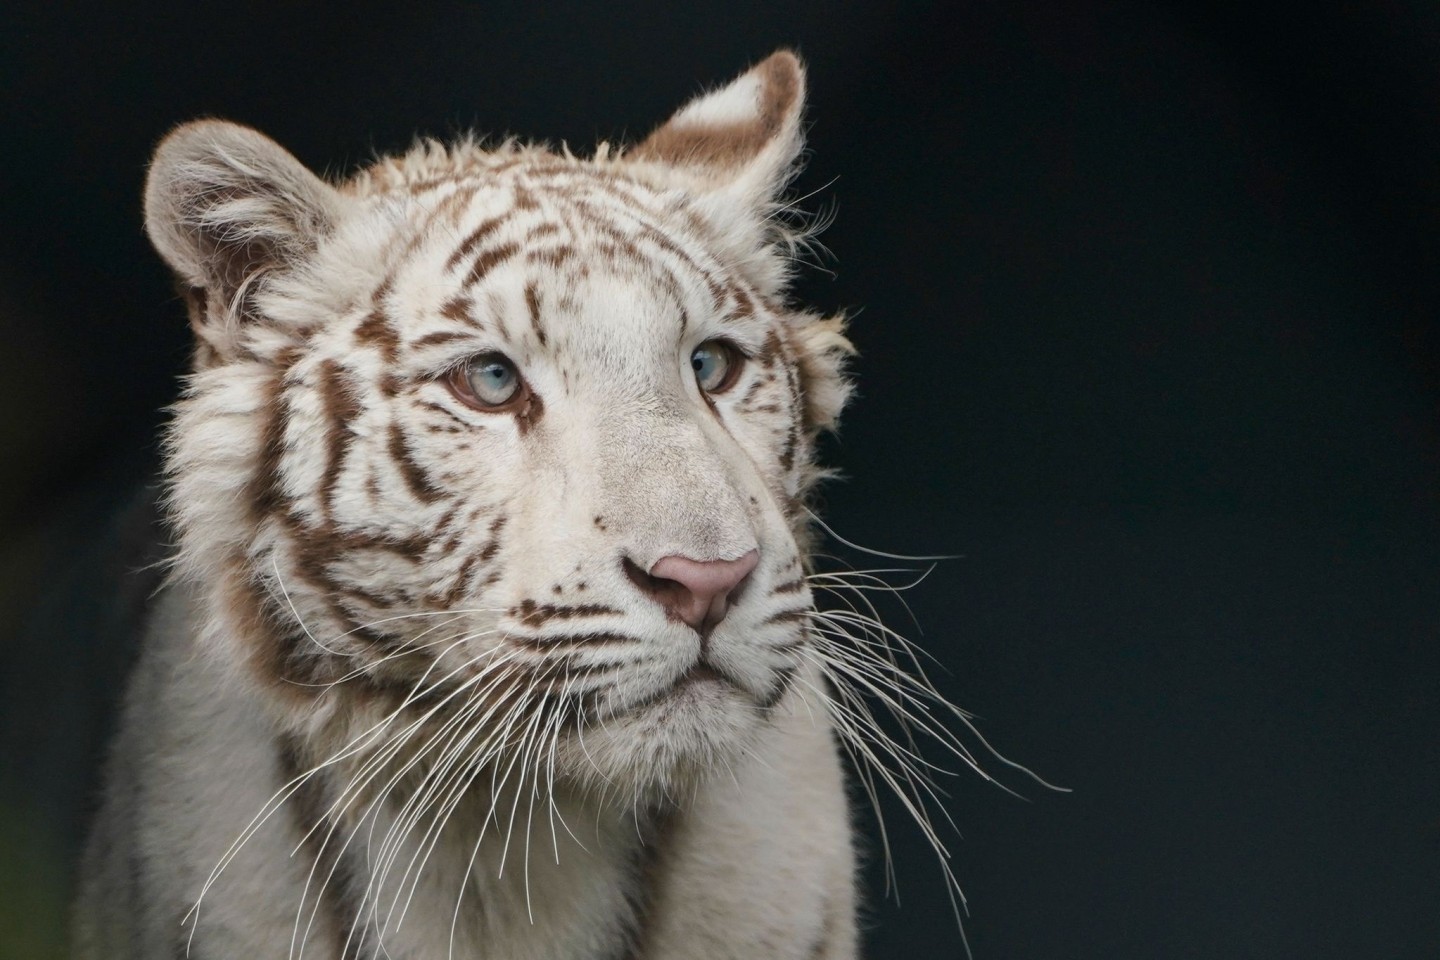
(489, 633)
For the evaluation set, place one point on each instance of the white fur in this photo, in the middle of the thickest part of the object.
(539, 818)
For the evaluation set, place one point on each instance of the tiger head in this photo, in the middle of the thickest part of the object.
(510, 441)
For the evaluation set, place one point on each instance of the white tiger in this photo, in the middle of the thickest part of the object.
(491, 632)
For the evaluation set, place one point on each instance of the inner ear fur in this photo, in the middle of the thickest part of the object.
(224, 203)
(745, 134)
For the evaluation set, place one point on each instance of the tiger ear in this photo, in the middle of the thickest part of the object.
(224, 203)
(741, 140)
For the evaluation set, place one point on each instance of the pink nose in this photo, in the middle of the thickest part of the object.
(696, 592)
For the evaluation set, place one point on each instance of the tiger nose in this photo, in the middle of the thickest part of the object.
(696, 592)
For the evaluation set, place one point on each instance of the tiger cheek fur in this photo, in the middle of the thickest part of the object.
(400, 506)
(424, 604)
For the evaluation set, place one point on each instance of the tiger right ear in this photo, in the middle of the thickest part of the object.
(224, 203)
(741, 140)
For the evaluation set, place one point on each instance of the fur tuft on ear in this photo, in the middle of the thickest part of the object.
(747, 131)
(742, 139)
(735, 149)
(224, 203)
(822, 351)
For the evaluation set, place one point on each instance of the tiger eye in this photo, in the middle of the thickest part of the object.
(487, 382)
(717, 365)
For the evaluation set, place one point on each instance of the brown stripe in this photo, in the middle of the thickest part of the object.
(341, 407)
(415, 477)
(530, 414)
(467, 245)
(567, 641)
(282, 654)
(377, 331)
(435, 339)
(792, 436)
(265, 490)
(448, 547)
(431, 405)
(660, 239)
(534, 614)
(787, 616)
(250, 611)
(778, 347)
(460, 310)
(759, 384)
(744, 305)
(347, 612)
(532, 302)
(553, 256)
(490, 259)
(330, 541)
(785, 677)
(621, 244)
(460, 584)
(770, 350)
(448, 208)
(312, 568)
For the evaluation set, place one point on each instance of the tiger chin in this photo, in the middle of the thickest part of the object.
(490, 630)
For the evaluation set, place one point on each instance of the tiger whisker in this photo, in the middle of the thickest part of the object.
(475, 850)
(546, 735)
(875, 635)
(458, 733)
(274, 803)
(903, 760)
(872, 579)
(844, 589)
(815, 519)
(862, 770)
(925, 694)
(403, 824)
(363, 776)
(398, 738)
(902, 695)
(456, 785)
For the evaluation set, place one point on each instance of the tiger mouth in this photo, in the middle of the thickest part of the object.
(701, 673)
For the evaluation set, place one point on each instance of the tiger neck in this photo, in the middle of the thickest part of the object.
(545, 872)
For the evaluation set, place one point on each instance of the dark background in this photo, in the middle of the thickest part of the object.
(1146, 301)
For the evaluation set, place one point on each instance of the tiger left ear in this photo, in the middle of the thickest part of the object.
(741, 140)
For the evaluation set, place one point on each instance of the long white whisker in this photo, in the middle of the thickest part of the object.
(366, 773)
(814, 518)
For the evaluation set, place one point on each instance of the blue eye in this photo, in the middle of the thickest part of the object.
(716, 365)
(487, 382)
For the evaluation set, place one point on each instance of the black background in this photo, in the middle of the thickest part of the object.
(1146, 297)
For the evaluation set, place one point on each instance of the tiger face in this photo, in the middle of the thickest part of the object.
(509, 442)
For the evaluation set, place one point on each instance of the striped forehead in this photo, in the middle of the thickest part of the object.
(508, 257)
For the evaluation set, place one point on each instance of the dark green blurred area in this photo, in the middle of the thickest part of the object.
(1147, 300)
(33, 884)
